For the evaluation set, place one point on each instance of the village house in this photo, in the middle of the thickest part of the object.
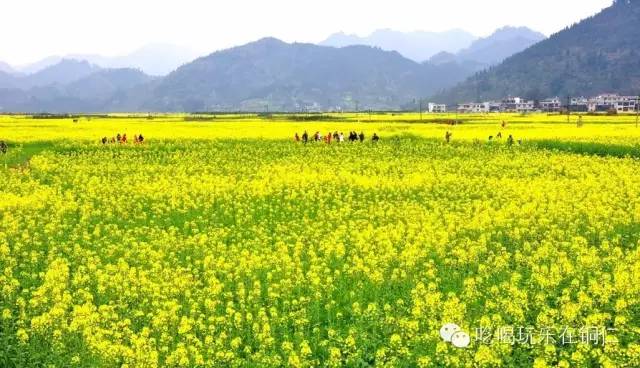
(551, 104)
(436, 108)
(601, 103)
(579, 104)
(517, 104)
(613, 102)
(474, 107)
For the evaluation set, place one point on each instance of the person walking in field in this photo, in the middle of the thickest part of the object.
(140, 138)
(305, 137)
(119, 138)
(504, 124)
(499, 136)
(361, 136)
(510, 140)
(124, 138)
(329, 138)
(296, 138)
(104, 140)
(375, 138)
(341, 138)
(3, 147)
(447, 136)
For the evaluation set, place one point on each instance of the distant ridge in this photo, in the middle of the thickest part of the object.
(418, 46)
(264, 75)
(503, 43)
(290, 77)
(153, 59)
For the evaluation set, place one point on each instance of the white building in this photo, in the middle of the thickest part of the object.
(517, 104)
(608, 102)
(474, 107)
(436, 108)
(551, 104)
(525, 106)
(579, 104)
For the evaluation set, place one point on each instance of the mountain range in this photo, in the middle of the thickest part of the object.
(450, 46)
(264, 74)
(90, 90)
(153, 59)
(597, 55)
(296, 76)
(267, 74)
(600, 54)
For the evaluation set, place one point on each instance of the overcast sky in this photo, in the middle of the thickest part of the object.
(33, 29)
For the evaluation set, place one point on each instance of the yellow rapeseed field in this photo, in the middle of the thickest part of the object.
(221, 242)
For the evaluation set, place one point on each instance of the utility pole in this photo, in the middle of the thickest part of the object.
(568, 109)
(421, 110)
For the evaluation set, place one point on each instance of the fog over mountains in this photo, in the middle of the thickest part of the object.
(153, 59)
(455, 45)
(417, 46)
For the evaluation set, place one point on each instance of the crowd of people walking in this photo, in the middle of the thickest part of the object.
(122, 139)
(333, 137)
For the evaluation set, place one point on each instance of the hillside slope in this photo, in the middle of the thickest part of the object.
(599, 54)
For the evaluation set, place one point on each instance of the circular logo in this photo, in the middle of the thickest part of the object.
(447, 331)
(460, 339)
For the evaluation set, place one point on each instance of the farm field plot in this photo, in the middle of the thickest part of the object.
(221, 242)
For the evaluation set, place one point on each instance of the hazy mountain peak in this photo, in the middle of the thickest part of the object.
(153, 59)
(268, 41)
(500, 45)
(6, 68)
(443, 57)
(508, 32)
(417, 45)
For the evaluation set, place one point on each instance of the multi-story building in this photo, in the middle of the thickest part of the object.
(609, 102)
(551, 104)
(517, 104)
(474, 107)
(494, 106)
(436, 108)
(525, 106)
(579, 104)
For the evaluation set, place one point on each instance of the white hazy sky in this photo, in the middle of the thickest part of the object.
(33, 29)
